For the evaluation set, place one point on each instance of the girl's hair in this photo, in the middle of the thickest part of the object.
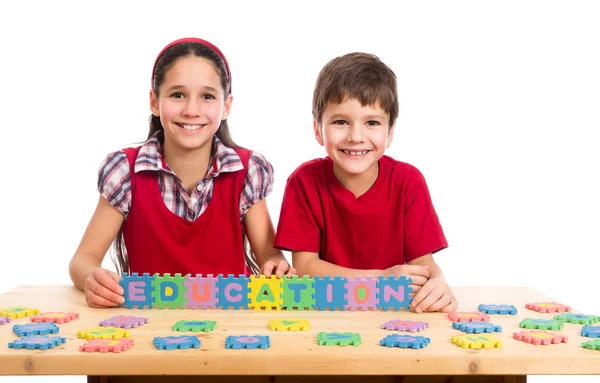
(164, 62)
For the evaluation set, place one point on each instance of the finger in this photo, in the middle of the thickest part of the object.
(292, 271)
(414, 290)
(96, 301)
(267, 269)
(414, 270)
(444, 301)
(101, 291)
(105, 280)
(282, 267)
(422, 294)
(116, 277)
(433, 297)
(451, 307)
(418, 280)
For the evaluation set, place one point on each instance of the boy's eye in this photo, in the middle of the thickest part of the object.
(177, 95)
(208, 96)
(339, 122)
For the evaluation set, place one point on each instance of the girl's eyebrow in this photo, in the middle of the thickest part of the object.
(177, 87)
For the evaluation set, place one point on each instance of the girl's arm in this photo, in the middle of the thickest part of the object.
(261, 234)
(101, 286)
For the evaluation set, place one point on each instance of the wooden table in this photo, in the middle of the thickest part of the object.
(295, 356)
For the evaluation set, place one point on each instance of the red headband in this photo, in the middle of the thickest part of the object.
(199, 41)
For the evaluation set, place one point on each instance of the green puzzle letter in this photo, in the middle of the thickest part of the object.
(265, 294)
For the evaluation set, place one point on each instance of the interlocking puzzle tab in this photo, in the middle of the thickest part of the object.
(405, 341)
(338, 339)
(195, 325)
(249, 342)
(124, 321)
(590, 331)
(541, 324)
(472, 316)
(289, 325)
(592, 344)
(31, 329)
(538, 337)
(261, 293)
(476, 327)
(37, 342)
(477, 341)
(497, 309)
(16, 312)
(4, 320)
(176, 342)
(54, 317)
(405, 325)
(107, 345)
(103, 333)
(577, 318)
(548, 307)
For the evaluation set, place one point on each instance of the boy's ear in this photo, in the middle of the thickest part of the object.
(154, 104)
(318, 133)
(391, 135)
(227, 106)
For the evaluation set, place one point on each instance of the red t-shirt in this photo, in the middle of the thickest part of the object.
(392, 223)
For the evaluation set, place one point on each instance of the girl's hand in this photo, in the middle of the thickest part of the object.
(278, 268)
(435, 295)
(102, 289)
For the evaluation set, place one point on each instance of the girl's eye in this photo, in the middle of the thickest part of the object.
(373, 123)
(177, 95)
(339, 122)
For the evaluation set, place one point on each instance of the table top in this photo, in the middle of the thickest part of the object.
(294, 353)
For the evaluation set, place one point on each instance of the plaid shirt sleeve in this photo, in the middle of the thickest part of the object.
(259, 182)
(114, 181)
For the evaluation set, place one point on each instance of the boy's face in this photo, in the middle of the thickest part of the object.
(355, 137)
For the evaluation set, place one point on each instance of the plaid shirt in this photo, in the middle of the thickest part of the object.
(114, 180)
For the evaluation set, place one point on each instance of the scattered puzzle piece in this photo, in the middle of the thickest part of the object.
(477, 341)
(540, 337)
(4, 320)
(394, 293)
(497, 309)
(592, 344)
(405, 341)
(103, 333)
(176, 342)
(577, 318)
(18, 312)
(338, 339)
(405, 325)
(195, 325)
(330, 293)
(541, 324)
(361, 293)
(476, 327)
(106, 345)
(548, 307)
(590, 331)
(472, 316)
(124, 321)
(37, 342)
(287, 325)
(31, 329)
(250, 342)
(55, 317)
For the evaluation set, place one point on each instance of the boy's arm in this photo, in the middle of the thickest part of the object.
(436, 294)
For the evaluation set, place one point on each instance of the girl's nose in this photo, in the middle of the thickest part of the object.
(192, 107)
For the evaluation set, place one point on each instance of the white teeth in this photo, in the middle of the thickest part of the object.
(191, 127)
(354, 153)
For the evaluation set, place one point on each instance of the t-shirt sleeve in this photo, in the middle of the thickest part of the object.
(114, 181)
(258, 184)
(423, 233)
(298, 229)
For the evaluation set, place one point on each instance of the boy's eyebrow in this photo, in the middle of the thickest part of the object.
(175, 87)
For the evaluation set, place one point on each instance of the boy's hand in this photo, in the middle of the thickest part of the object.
(417, 273)
(102, 289)
(278, 268)
(435, 295)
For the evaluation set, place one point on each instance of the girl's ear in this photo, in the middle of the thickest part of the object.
(154, 103)
(227, 106)
(318, 133)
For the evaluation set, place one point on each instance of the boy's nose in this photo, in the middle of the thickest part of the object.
(355, 134)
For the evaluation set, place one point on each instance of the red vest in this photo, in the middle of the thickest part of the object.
(159, 241)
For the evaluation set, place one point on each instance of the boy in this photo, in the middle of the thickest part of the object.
(358, 212)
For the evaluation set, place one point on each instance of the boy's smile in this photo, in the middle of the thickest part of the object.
(355, 137)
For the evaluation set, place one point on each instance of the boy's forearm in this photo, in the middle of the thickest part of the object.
(318, 267)
(81, 267)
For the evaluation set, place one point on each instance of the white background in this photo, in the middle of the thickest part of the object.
(498, 106)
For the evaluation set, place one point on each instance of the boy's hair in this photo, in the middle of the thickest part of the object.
(362, 76)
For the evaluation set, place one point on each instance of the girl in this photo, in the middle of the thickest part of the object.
(188, 198)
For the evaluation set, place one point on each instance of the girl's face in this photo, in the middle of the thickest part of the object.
(191, 104)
